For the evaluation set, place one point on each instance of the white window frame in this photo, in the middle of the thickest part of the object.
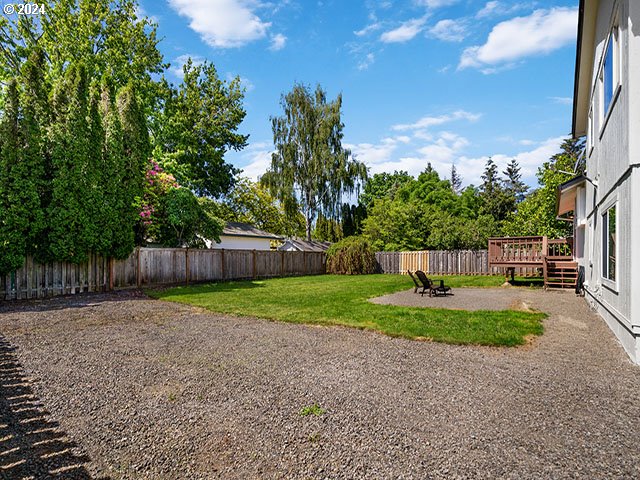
(612, 283)
(613, 40)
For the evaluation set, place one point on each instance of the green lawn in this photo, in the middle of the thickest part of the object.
(342, 300)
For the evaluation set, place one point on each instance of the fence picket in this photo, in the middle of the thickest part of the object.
(442, 262)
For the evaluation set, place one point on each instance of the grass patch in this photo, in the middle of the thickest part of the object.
(313, 409)
(342, 300)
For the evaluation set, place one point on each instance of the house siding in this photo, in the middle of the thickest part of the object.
(242, 243)
(613, 165)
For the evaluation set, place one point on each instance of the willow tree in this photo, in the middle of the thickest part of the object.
(309, 168)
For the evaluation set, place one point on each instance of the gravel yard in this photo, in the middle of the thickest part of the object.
(462, 299)
(121, 386)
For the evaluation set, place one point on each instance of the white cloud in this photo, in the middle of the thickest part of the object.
(449, 30)
(259, 158)
(368, 29)
(440, 152)
(471, 169)
(445, 148)
(436, 3)
(404, 32)
(426, 122)
(541, 32)
(278, 41)
(179, 63)
(366, 62)
(373, 154)
(562, 100)
(223, 23)
(489, 9)
(495, 8)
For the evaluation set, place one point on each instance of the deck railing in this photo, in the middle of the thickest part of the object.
(532, 250)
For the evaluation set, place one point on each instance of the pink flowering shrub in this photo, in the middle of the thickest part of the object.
(157, 184)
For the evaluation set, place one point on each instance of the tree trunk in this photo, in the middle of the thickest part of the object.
(307, 222)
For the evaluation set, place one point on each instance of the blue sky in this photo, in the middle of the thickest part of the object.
(440, 81)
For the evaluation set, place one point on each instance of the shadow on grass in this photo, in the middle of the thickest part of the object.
(203, 288)
(31, 444)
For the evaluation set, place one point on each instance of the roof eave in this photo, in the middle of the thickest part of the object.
(584, 66)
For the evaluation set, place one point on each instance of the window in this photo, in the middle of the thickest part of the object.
(609, 245)
(609, 77)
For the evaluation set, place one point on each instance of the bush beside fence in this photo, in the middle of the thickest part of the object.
(148, 267)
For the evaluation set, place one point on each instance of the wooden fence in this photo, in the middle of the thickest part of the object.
(148, 267)
(443, 262)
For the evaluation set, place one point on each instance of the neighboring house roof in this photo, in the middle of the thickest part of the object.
(305, 245)
(239, 229)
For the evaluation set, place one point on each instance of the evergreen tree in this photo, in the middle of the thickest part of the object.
(513, 184)
(536, 214)
(36, 165)
(456, 180)
(128, 144)
(72, 232)
(495, 201)
(352, 218)
(13, 224)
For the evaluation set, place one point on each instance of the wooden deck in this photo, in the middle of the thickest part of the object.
(554, 258)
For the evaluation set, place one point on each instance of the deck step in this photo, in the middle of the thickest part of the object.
(561, 273)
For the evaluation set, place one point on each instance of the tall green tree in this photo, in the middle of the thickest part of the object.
(186, 223)
(198, 127)
(72, 233)
(456, 180)
(106, 35)
(131, 171)
(495, 201)
(536, 214)
(352, 219)
(310, 163)
(14, 222)
(383, 185)
(327, 230)
(250, 202)
(513, 184)
(35, 162)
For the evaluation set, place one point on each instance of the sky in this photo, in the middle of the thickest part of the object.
(439, 81)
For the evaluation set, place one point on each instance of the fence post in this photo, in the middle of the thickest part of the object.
(222, 262)
(111, 272)
(138, 275)
(282, 263)
(304, 262)
(254, 263)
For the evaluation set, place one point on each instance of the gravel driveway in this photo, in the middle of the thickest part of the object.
(121, 386)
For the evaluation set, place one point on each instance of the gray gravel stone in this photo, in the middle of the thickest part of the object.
(139, 388)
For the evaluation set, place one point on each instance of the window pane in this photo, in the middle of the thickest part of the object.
(611, 227)
(608, 75)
